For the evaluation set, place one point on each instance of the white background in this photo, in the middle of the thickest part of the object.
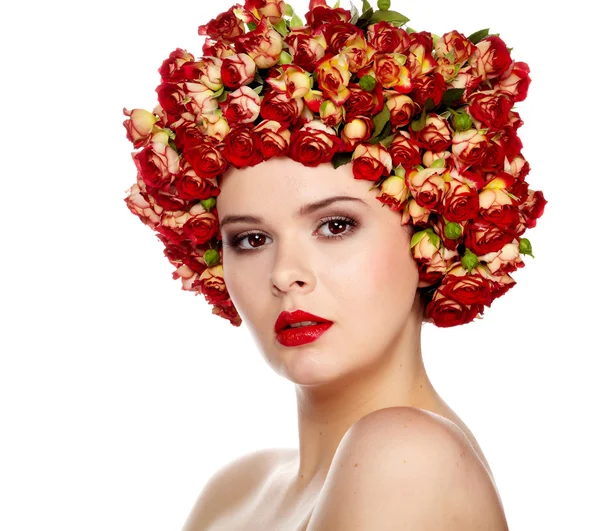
(120, 394)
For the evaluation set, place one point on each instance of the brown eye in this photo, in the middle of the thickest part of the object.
(256, 240)
(337, 226)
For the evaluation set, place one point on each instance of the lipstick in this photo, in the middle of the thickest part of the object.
(295, 336)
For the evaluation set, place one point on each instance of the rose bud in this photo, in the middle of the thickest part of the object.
(242, 106)
(430, 159)
(493, 58)
(238, 70)
(357, 130)
(264, 45)
(211, 257)
(468, 147)
(272, 139)
(331, 114)
(139, 126)
(387, 38)
(394, 193)
(370, 162)
(402, 109)
(390, 71)
(425, 244)
(273, 10)
(333, 77)
(418, 214)
(428, 186)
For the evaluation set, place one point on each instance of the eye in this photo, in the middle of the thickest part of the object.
(338, 226)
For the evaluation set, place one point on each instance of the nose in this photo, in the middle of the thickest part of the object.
(291, 270)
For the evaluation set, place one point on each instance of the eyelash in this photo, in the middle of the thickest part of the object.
(349, 220)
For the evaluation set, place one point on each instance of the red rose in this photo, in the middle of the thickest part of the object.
(201, 228)
(490, 110)
(241, 106)
(460, 203)
(370, 162)
(468, 147)
(446, 312)
(483, 237)
(190, 186)
(387, 38)
(493, 58)
(436, 135)
(533, 208)
(157, 164)
(170, 70)
(205, 158)
(227, 310)
(306, 50)
(238, 70)
(170, 98)
(218, 49)
(430, 86)
(454, 47)
(470, 289)
(324, 14)
(239, 147)
(492, 160)
(405, 151)
(272, 139)
(226, 27)
(212, 285)
(279, 107)
(314, 144)
(363, 103)
(515, 82)
(336, 35)
(402, 109)
(428, 187)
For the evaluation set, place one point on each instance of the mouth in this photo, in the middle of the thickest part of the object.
(298, 319)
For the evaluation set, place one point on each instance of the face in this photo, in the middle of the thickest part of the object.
(348, 262)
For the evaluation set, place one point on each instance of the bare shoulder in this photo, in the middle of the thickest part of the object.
(406, 468)
(229, 487)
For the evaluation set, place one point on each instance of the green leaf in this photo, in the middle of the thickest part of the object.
(380, 120)
(281, 28)
(341, 158)
(386, 142)
(366, 6)
(289, 10)
(219, 92)
(452, 95)
(223, 96)
(439, 163)
(284, 58)
(251, 26)
(296, 22)
(365, 19)
(419, 123)
(393, 17)
(429, 105)
(478, 35)
(354, 12)
(417, 237)
(337, 4)
(433, 236)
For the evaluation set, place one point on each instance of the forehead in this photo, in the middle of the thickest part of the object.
(283, 184)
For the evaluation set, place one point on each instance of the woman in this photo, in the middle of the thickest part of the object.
(334, 286)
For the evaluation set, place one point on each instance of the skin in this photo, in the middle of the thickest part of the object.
(365, 282)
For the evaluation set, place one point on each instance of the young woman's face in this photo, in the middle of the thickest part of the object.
(348, 262)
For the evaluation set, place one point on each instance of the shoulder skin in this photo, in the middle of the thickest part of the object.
(403, 468)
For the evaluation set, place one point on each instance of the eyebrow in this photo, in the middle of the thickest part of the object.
(304, 210)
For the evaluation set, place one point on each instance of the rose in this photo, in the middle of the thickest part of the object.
(139, 126)
(404, 151)
(205, 158)
(497, 207)
(491, 110)
(242, 106)
(202, 100)
(505, 260)
(238, 70)
(212, 285)
(363, 103)
(519, 167)
(227, 310)
(433, 259)
(333, 77)
(465, 79)
(493, 58)
(357, 130)
(454, 47)
(390, 71)
(293, 81)
(514, 82)
(171, 226)
(402, 110)
(148, 213)
(428, 186)
(192, 187)
(218, 49)
(170, 70)
(532, 209)
(387, 38)
(213, 126)
(436, 135)
(272, 139)
(201, 228)
(430, 86)
(331, 114)
(226, 27)
(323, 14)
(239, 147)
(492, 159)
(468, 147)
(306, 50)
(394, 193)
(418, 214)
(271, 9)
(206, 71)
(314, 144)
(419, 59)
(466, 288)
(482, 236)
(338, 34)
(446, 312)
(167, 197)
(358, 51)
(370, 162)
(264, 45)
(460, 203)
(429, 158)
(279, 107)
(170, 98)
(187, 275)
(157, 164)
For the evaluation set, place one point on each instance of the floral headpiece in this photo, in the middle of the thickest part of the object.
(427, 119)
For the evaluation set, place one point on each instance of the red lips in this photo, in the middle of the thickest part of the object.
(297, 316)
